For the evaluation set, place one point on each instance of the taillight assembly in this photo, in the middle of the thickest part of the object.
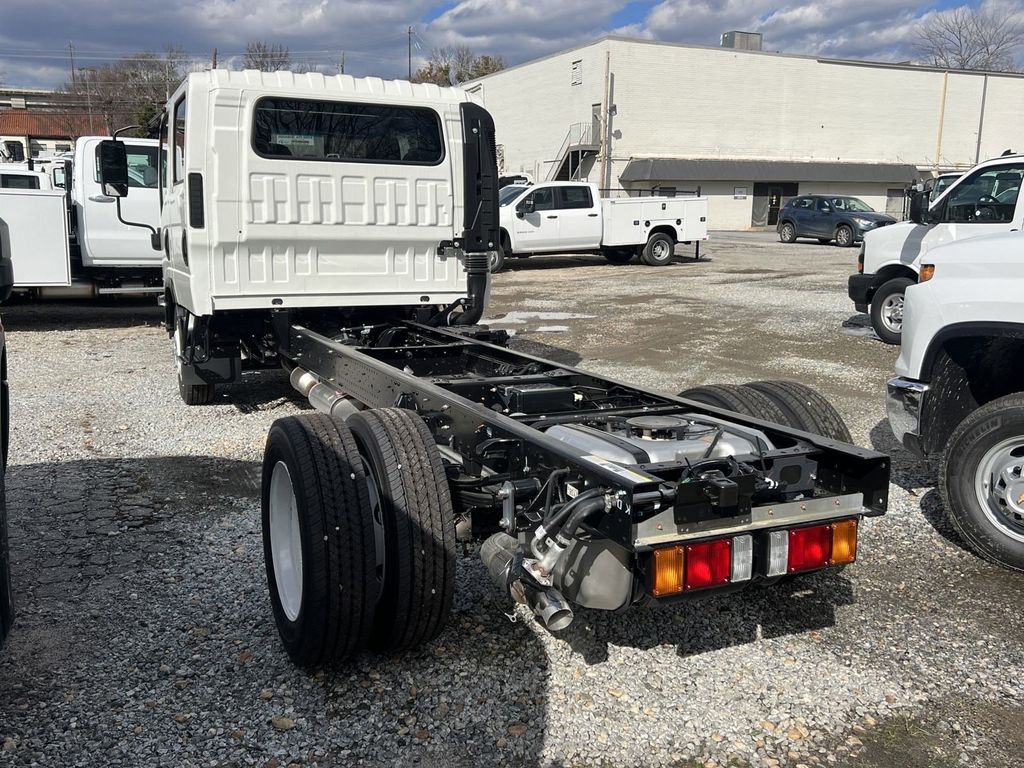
(705, 564)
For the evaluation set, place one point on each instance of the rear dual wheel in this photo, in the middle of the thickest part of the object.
(659, 251)
(781, 402)
(358, 533)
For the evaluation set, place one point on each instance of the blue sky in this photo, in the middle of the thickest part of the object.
(34, 34)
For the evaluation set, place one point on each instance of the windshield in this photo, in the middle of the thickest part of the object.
(851, 204)
(509, 193)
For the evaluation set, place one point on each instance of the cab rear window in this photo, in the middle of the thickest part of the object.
(18, 181)
(335, 131)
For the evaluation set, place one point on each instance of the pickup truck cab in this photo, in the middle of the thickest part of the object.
(983, 201)
(958, 394)
(571, 217)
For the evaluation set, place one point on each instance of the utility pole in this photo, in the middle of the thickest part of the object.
(410, 53)
(341, 65)
(214, 59)
(71, 53)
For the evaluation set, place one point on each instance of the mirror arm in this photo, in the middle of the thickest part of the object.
(132, 223)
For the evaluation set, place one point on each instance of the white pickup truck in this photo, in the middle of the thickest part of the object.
(983, 201)
(959, 387)
(77, 242)
(570, 217)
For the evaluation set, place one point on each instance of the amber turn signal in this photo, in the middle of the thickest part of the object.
(927, 272)
(668, 571)
(844, 542)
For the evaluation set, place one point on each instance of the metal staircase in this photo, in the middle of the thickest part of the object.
(580, 143)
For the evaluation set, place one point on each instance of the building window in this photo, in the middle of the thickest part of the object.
(577, 72)
(36, 148)
(63, 148)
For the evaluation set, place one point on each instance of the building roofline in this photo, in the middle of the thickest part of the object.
(822, 59)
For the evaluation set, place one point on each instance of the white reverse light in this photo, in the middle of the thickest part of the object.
(778, 553)
(742, 558)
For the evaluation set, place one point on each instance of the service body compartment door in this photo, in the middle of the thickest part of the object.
(105, 241)
(628, 221)
(34, 233)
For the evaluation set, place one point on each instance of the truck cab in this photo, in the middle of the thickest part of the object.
(985, 200)
(554, 217)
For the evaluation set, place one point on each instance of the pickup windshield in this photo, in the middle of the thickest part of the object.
(509, 193)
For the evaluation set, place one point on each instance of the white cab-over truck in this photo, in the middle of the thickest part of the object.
(75, 241)
(571, 217)
(341, 228)
(983, 201)
(958, 394)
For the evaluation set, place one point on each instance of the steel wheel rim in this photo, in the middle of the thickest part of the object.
(285, 541)
(373, 489)
(892, 313)
(999, 487)
(660, 249)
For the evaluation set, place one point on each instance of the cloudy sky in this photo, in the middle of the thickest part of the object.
(34, 34)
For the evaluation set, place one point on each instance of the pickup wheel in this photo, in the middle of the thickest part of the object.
(318, 539)
(659, 250)
(740, 399)
(844, 236)
(496, 260)
(410, 488)
(787, 233)
(887, 309)
(982, 479)
(617, 256)
(804, 408)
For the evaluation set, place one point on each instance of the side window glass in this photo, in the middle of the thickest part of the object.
(823, 205)
(574, 197)
(803, 203)
(988, 196)
(180, 115)
(543, 199)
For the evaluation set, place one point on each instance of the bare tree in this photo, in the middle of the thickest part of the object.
(450, 65)
(266, 57)
(970, 38)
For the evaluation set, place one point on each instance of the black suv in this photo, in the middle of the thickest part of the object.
(828, 218)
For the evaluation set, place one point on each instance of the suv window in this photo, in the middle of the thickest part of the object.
(575, 197)
(543, 199)
(823, 204)
(986, 196)
(342, 132)
(800, 202)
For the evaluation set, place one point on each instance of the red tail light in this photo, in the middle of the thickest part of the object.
(708, 564)
(809, 548)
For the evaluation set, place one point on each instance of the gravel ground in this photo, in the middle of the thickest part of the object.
(145, 636)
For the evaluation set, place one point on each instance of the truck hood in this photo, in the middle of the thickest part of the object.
(989, 256)
(904, 239)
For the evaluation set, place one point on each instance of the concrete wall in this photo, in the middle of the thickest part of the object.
(690, 102)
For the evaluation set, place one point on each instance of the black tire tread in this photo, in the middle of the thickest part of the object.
(806, 409)
(339, 590)
(197, 394)
(647, 255)
(420, 532)
(954, 463)
(739, 399)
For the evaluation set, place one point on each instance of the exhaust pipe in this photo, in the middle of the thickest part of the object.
(552, 610)
(323, 397)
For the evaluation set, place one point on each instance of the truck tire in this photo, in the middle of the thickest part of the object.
(6, 594)
(405, 467)
(191, 394)
(887, 309)
(787, 233)
(318, 539)
(618, 256)
(804, 408)
(844, 236)
(982, 480)
(496, 260)
(739, 399)
(659, 251)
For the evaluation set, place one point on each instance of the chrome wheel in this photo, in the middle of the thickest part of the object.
(285, 541)
(999, 486)
(787, 234)
(892, 313)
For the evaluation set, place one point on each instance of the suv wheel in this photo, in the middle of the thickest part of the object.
(787, 233)
(844, 236)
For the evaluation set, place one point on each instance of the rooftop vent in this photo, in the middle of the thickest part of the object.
(745, 41)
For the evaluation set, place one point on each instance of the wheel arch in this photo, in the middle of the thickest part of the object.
(663, 229)
(887, 273)
(968, 365)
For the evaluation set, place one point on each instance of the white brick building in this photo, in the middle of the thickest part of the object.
(750, 128)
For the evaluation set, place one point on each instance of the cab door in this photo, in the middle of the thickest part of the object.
(579, 218)
(537, 230)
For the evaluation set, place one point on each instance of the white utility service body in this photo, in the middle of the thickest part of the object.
(34, 232)
(983, 201)
(571, 217)
(294, 212)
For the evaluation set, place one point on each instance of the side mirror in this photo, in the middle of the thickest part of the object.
(525, 207)
(113, 160)
(919, 213)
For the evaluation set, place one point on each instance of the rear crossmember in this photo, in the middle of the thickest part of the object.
(588, 491)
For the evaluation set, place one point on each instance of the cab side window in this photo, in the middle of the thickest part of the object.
(987, 196)
(178, 147)
(543, 199)
(575, 197)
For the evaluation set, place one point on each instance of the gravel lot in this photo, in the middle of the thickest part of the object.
(145, 636)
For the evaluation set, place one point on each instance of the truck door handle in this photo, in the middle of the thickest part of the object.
(552, 217)
(592, 215)
(101, 199)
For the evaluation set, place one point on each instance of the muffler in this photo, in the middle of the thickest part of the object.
(499, 555)
(323, 397)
